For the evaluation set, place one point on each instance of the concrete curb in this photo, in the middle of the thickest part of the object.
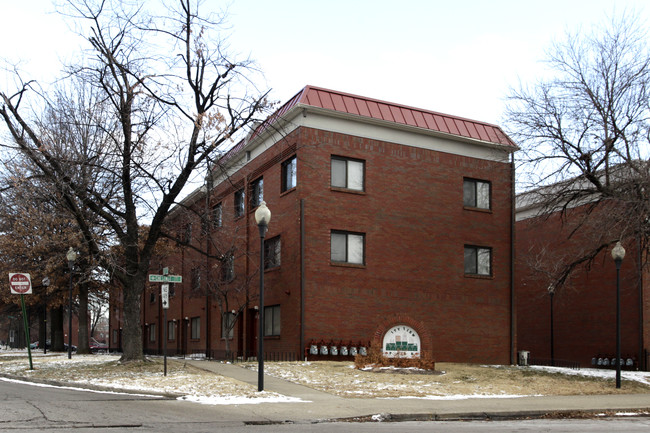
(91, 387)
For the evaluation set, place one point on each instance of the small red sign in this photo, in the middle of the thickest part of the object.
(21, 284)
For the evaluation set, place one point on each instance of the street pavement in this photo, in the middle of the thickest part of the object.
(319, 405)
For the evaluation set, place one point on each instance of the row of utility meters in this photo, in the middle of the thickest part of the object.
(610, 361)
(332, 349)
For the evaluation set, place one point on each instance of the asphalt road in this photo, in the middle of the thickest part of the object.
(30, 408)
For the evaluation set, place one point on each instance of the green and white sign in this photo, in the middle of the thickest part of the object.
(401, 342)
(153, 278)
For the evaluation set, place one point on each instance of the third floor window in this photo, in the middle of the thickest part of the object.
(348, 173)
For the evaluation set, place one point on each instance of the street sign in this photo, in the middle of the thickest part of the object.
(21, 284)
(164, 295)
(153, 278)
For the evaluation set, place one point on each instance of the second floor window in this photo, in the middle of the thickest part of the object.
(272, 253)
(348, 173)
(478, 260)
(257, 192)
(289, 174)
(239, 203)
(228, 268)
(347, 247)
(476, 193)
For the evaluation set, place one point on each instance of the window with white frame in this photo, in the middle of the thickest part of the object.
(272, 250)
(257, 192)
(476, 193)
(272, 321)
(347, 247)
(478, 260)
(227, 325)
(348, 173)
(289, 174)
(195, 325)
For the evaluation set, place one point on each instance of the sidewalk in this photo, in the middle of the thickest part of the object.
(319, 405)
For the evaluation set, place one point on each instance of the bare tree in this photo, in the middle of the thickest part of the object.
(175, 97)
(585, 135)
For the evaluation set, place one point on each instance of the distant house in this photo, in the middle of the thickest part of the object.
(391, 226)
(574, 320)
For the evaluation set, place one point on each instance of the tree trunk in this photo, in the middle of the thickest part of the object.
(132, 329)
(57, 329)
(82, 343)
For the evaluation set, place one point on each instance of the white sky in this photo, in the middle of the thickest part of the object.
(457, 57)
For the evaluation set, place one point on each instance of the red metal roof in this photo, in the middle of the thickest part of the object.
(387, 111)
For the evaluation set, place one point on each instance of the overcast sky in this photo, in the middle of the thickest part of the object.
(457, 57)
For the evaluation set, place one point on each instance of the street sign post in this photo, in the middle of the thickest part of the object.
(164, 299)
(21, 284)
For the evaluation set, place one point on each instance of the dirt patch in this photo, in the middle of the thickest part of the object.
(342, 379)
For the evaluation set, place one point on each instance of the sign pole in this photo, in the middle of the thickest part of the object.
(165, 340)
(26, 325)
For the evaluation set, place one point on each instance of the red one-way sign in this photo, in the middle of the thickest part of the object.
(21, 284)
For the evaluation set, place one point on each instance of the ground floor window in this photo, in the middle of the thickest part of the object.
(171, 330)
(195, 328)
(272, 321)
(227, 325)
(152, 332)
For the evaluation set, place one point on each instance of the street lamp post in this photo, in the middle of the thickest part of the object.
(71, 255)
(551, 292)
(618, 254)
(262, 218)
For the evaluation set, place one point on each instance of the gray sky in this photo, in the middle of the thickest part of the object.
(457, 57)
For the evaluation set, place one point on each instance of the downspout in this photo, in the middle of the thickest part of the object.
(512, 261)
(302, 278)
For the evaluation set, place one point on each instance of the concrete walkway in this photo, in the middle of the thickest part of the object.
(317, 405)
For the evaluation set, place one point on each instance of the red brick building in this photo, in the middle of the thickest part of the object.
(384, 218)
(577, 323)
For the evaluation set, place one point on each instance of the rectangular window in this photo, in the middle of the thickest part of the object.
(152, 297)
(347, 247)
(240, 197)
(348, 173)
(152, 332)
(257, 192)
(289, 174)
(227, 325)
(171, 330)
(195, 283)
(272, 321)
(196, 328)
(228, 268)
(478, 260)
(187, 233)
(216, 215)
(272, 249)
(476, 193)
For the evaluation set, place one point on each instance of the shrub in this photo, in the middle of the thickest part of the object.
(376, 358)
